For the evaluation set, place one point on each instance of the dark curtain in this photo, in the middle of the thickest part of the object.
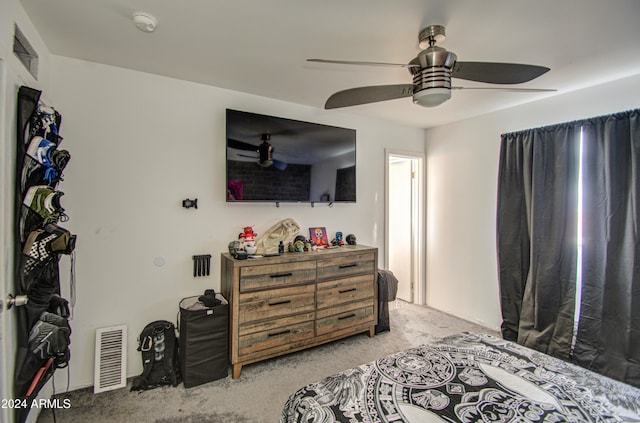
(536, 236)
(608, 338)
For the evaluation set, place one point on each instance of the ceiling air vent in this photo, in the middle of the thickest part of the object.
(24, 52)
(110, 371)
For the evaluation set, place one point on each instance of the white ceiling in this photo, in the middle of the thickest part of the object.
(260, 46)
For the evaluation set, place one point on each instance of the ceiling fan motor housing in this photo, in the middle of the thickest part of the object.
(265, 151)
(432, 76)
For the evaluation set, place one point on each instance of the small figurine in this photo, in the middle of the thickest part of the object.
(234, 246)
(249, 240)
(338, 241)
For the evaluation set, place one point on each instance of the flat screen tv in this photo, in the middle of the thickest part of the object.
(274, 159)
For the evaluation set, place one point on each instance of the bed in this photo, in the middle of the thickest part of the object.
(467, 377)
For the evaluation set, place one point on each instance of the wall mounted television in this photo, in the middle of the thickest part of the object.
(274, 159)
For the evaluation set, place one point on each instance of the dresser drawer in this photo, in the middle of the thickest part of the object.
(275, 338)
(276, 303)
(277, 275)
(343, 320)
(340, 267)
(355, 288)
(273, 325)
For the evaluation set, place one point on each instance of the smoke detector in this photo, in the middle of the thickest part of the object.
(144, 21)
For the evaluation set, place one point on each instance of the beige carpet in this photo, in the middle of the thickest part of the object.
(261, 391)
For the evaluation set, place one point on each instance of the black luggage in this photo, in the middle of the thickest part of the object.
(204, 341)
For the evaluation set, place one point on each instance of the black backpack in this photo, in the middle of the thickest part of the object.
(159, 347)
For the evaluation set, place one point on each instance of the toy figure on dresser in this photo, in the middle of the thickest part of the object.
(298, 245)
(234, 247)
(337, 241)
(351, 239)
(249, 243)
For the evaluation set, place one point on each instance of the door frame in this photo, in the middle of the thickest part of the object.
(418, 256)
(6, 246)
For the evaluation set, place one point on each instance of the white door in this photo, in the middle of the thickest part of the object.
(404, 224)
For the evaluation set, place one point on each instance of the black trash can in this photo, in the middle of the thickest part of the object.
(387, 290)
(204, 341)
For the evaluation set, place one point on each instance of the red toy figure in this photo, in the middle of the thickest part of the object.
(249, 242)
(248, 234)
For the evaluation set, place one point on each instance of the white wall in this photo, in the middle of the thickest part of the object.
(12, 75)
(462, 171)
(139, 145)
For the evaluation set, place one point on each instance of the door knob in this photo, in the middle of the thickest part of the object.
(12, 300)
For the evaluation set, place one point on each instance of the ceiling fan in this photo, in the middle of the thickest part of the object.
(264, 150)
(432, 71)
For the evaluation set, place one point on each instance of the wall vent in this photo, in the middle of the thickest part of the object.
(110, 371)
(24, 52)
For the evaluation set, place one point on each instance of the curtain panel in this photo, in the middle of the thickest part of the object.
(536, 237)
(591, 317)
(608, 338)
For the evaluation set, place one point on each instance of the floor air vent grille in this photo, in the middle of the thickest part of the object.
(110, 370)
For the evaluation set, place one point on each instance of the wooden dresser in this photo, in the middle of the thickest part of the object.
(298, 300)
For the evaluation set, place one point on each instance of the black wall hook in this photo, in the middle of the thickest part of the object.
(187, 204)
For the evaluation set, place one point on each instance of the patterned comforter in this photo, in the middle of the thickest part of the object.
(465, 378)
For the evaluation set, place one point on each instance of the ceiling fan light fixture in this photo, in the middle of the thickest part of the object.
(432, 97)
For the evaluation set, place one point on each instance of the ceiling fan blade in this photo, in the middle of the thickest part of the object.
(350, 62)
(241, 145)
(497, 73)
(531, 90)
(364, 95)
(278, 164)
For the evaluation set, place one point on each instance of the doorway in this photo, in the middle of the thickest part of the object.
(404, 211)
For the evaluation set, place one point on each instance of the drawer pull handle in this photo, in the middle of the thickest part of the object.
(280, 302)
(284, 332)
(280, 275)
(345, 266)
(342, 291)
(348, 316)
